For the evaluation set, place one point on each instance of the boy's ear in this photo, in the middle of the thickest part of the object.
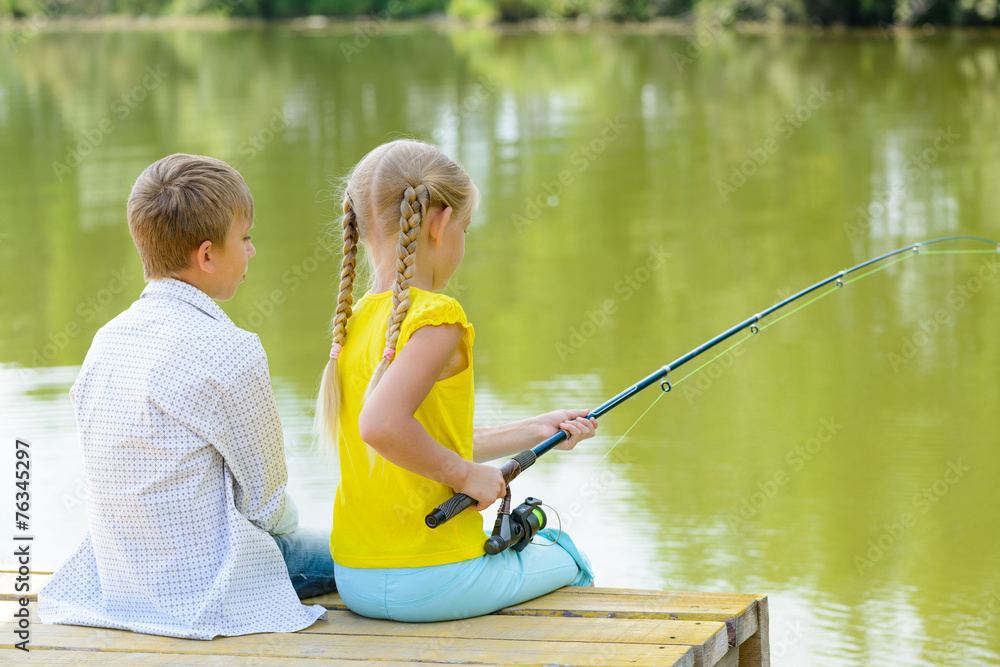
(202, 257)
(437, 220)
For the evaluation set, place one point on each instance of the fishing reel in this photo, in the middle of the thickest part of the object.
(515, 528)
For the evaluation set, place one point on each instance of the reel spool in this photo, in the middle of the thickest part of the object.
(515, 528)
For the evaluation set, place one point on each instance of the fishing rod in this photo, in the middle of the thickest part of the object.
(508, 532)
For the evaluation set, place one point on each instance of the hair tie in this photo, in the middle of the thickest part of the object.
(388, 353)
(335, 350)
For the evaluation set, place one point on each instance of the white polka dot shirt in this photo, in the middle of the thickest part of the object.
(185, 474)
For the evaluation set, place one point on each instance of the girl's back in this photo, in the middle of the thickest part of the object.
(380, 506)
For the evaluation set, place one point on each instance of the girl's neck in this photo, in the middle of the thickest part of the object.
(381, 285)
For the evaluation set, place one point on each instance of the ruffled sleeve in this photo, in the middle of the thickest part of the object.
(432, 309)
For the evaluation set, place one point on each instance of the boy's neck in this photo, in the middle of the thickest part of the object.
(197, 279)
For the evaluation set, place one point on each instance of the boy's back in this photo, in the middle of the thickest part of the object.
(168, 390)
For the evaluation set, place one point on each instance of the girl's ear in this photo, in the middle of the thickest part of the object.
(437, 220)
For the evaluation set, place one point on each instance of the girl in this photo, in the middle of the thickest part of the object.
(397, 396)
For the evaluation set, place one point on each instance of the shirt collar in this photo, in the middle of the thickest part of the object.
(172, 288)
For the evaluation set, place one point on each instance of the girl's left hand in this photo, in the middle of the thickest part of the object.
(574, 422)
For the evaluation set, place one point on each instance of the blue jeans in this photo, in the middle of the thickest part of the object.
(307, 556)
(467, 588)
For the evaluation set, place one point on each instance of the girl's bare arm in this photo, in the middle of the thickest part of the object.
(494, 442)
(387, 423)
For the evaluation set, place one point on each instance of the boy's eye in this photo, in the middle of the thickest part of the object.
(247, 238)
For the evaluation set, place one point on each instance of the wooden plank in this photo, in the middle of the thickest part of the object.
(330, 601)
(531, 628)
(756, 650)
(87, 658)
(575, 595)
(739, 612)
(649, 592)
(8, 579)
(346, 647)
(709, 639)
(8, 607)
(731, 659)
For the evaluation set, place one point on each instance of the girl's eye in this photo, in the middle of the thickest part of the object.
(247, 238)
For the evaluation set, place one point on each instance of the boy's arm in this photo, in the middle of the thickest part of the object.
(289, 520)
(252, 446)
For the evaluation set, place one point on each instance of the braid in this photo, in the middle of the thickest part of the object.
(348, 272)
(412, 210)
(328, 403)
(406, 249)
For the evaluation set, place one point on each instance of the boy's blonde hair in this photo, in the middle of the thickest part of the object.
(386, 197)
(178, 203)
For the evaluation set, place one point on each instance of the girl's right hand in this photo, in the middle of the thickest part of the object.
(483, 483)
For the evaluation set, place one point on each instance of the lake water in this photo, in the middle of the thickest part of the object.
(640, 195)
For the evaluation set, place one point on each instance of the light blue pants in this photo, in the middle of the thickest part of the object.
(467, 588)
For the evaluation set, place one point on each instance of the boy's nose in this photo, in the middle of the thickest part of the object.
(252, 250)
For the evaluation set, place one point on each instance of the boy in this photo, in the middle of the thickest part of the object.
(191, 533)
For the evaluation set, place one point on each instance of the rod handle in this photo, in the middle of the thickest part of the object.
(460, 502)
(448, 510)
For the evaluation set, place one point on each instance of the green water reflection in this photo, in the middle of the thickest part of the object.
(632, 208)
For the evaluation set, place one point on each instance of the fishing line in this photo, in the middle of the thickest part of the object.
(655, 400)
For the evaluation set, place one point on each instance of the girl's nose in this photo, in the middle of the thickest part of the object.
(251, 249)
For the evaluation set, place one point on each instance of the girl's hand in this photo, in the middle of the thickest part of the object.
(574, 422)
(483, 483)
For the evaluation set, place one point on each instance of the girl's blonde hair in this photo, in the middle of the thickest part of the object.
(387, 196)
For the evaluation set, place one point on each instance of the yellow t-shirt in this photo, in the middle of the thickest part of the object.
(378, 515)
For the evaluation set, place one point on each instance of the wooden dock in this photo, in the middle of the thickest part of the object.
(571, 626)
